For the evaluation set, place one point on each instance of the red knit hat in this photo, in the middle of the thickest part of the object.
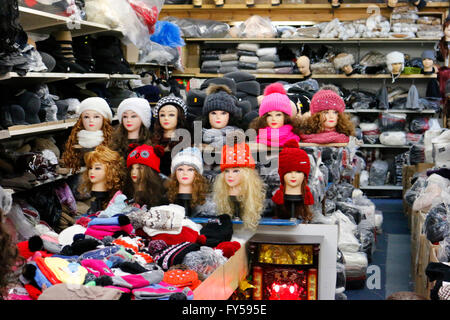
(326, 100)
(292, 158)
(237, 155)
(146, 155)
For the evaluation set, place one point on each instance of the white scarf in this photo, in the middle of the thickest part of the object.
(90, 139)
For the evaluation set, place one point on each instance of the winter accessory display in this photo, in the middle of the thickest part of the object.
(217, 230)
(236, 156)
(189, 156)
(95, 104)
(146, 155)
(138, 105)
(219, 97)
(393, 58)
(275, 99)
(174, 255)
(172, 100)
(342, 60)
(326, 100)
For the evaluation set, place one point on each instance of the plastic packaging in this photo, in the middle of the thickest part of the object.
(436, 225)
(367, 238)
(350, 210)
(254, 27)
(413, 138)
(392, 121)
(340, 277)
(412, 193)
(24, 228)
(441, 149)
(393, 138)
(378, 173)
(417, 153)
(198, 28)
(347, 241)
(355, 265)
(370, 131)
(147, 11)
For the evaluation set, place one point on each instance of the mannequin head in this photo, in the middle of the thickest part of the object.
(327, 114)
(239, 178)
(171, 113)
(143, 183)
(134, 113)
(443, 46)
(219, 109)
(186, 176)
(303, 65)
(104, 171)
(343, 62)
(395, 62)
(293, 169)
(446, 29)
(92, 111)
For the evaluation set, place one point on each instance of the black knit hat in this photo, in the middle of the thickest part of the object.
(17, 115)
(195, 98)
(218, 230)
(174, 254)
(219, 97)
(224, 81)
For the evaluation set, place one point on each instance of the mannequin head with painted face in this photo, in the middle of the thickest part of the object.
(239, 179)
(219, 108)
(104, 171)
(171, 113)
(187, 178)
(444, 42)
(93, 128)
(143, 183)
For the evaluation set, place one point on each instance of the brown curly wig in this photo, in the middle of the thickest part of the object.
(314, 124)
(72, 157)
(200, 188)
(443, 48)
(302, 211)
(115, 169)
(149, 190)
(261, 122)
(158, 131)
(8, 257)
(120, 141)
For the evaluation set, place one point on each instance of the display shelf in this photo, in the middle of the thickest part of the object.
(43, 22)
(383, 146)
(13, 78)
(390, 111)
(385, 187)
(262, 222)
(314, 40)
(314, 76)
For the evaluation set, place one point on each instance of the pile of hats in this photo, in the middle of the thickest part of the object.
(210, 61)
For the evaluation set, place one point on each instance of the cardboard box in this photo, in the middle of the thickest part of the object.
(131, 53)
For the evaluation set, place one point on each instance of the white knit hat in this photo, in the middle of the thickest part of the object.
(189, 156)
(95, 104)
(138, 105)
(395, 57)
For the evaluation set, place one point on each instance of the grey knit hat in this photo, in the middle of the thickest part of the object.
(219, 97)
(170, 99)
(429, 54)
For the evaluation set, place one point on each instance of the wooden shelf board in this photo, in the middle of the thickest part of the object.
(385, 187)
(389, 111)
(312, 40)
(298, 76)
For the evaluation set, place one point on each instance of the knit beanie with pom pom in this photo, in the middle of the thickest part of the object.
(275, 99)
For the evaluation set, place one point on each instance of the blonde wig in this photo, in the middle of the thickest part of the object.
(72, 158)
(314, 124)
(251, 198)
(114, 169)
(200, 188)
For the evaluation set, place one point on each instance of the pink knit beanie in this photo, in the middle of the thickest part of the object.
(275, 99)
(326, 100)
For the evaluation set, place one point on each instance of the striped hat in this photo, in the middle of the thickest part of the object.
(172, 100)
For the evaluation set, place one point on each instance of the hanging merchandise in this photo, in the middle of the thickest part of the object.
(148, 11)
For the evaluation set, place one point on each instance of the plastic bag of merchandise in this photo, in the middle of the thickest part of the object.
(25, 229)
(254, 27)
(393, 138)
(344, 191)
(366, 206)
(441, 149)
(392, 121)
(347, 241)
(307, 32)
(331, 29)
(428, 137)
(204, 261)
(199, 28)
(432, 191)
(416, 189)
(350, 210)
(377, 26)
(355, 265)
(330, 206)
(443, 254)
(66, 8)
(436, 225)
(340, 278)
(378, 173)
(414, 138)
(379, 221)
(147, 11)
(155, 52)
(366, 235)
(370, 131)
(419, 125)
(168, 34)
(417, 153)
(119, 15)
(364, 178)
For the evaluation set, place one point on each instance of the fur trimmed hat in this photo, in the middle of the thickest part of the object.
(172, 100)
(96, 104)
(326, 100)
(146, 155)
(189, 156)
(275, 99)
(342, 60)
(138, 105)
(395, 57)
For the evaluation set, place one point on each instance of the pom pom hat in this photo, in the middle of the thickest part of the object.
(95, 104)
(275, 99)
(292, 158)
(146, 155)
(326, 100)
(138, 105)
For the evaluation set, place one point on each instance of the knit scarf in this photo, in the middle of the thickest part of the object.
(276, 137)
(90, 139)
(278, 197)
(325, 137)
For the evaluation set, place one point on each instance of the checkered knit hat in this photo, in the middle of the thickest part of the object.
(172, 100)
